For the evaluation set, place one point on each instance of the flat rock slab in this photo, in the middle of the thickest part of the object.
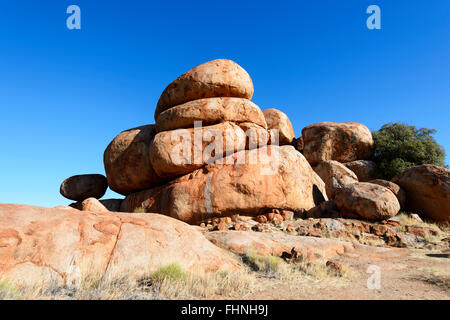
(310, 248)
(277, 243)
(43, 246)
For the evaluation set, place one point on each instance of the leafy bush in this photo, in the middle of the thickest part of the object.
(399, 146)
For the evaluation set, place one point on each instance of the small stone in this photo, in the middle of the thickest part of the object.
(290, 228)
(277, 219)
(335, 267)
(287, 215)
(221, 226)
(416, 217)
(270, 216)
(334, 225)
(378, 229)
(261, 219)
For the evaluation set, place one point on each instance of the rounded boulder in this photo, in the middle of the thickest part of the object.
(366, 200)
(210, 111)
(127, 161)
(81, 187)
(217, 78)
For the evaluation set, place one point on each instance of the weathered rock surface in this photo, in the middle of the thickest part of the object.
(210, 111)
(43, 246)
(251, 185)
(343, 142)
(127, 161)
(366, 200)
(309, 248)
(255, 135)
(174, 153)
(335, 175)
(365, 170)
(395, 188)
(93, 205)
(427, 190)
(278, 120)
(84, 186)
(217, 78)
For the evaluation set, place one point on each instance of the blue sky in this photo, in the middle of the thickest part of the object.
(64, 94)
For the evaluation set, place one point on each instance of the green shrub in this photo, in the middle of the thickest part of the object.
(399, 146)
(171, 272)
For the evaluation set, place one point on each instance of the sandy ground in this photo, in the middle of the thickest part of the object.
(420, 274)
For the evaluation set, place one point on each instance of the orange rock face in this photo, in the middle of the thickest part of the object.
(84, 186)
(210, 111)
(278, 120)
(343, 142)
(177, 152)
(217, 78)
(365, 170)
(399, 192)
(335, 175)
(427, 190)
(221, 189)
(43, 246)
(127, 161)
(366, 200)
(93, 205)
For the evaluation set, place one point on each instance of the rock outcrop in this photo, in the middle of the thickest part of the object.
(366, 200)
(84, 186)
(343, 142)
(251, 184)
(46, 247)
(427, 190)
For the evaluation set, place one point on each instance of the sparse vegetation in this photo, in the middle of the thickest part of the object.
(399, 146)
(7, 290)
(406, 220)
(265, 264)
(139, 210)
(295, 271)
(172, 272)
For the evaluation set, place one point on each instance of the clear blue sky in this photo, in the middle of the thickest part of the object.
(64, 94)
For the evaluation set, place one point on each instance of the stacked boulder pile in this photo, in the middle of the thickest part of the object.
(340, 153)
(213, 153)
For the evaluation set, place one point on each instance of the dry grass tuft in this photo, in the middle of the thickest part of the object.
(297, 270)
(406, 220)
(167, 282)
